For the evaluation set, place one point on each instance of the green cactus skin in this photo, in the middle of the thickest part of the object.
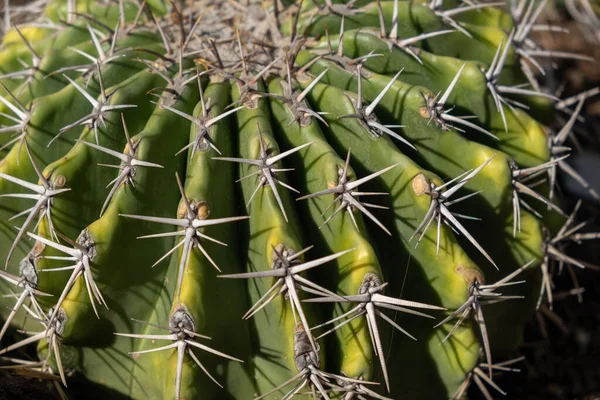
(443, 278)
(276, 208)
(319, 166)
(273, 329)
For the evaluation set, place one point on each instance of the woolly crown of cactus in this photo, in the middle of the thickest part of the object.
(238, 200)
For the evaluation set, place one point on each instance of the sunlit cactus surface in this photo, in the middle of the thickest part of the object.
(277, 199)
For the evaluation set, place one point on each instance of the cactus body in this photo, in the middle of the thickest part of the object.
(236, 201)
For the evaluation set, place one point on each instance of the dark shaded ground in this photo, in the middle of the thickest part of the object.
(15, 387)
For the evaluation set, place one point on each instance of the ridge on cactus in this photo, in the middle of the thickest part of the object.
(410, 138)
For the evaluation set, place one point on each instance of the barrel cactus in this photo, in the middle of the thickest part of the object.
(237, 200)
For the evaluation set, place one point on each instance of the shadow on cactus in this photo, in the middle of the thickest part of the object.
(237, 200)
